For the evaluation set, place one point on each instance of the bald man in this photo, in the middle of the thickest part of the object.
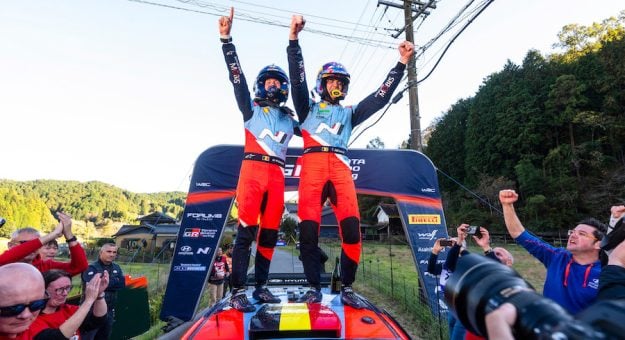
(19, 303)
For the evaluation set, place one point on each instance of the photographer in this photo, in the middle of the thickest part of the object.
(443, 274)
(572, 273)
(502, 323)
(481, 237)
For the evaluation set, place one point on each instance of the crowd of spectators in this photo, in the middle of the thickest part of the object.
(34, 287)
(577, 275)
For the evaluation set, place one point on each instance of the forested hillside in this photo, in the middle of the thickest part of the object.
(93, 205)
(553, 128)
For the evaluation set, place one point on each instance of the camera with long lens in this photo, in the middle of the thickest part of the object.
(480, 285)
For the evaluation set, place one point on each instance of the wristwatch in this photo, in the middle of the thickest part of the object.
(72, 239)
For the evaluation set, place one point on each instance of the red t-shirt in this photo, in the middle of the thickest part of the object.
(78, 262)
(470, 336)
(53, 320)
(27, 335)
(19, 251)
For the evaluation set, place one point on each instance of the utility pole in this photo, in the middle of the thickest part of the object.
(413, 95)
(417, 8)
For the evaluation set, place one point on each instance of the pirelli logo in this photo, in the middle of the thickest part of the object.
(424, 219)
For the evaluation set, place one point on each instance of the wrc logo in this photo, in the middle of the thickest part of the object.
(279, 137)
(335, 130)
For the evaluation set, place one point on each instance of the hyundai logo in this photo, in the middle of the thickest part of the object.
(186, 248)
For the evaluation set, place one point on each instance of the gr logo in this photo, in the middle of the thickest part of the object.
(204, 250)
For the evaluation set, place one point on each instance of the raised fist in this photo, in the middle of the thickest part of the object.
(225, 23)
(297, 25)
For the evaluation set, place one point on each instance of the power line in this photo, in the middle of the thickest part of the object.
(206, 4)
(260, 20)
(359, 18)
(454, 39)
(480, 8)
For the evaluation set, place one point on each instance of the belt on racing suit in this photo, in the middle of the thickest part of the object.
(263, 158)
(332, 149)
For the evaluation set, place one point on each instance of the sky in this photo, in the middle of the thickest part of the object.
(130, 92)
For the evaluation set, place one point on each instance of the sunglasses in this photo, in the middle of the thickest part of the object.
(15, 310)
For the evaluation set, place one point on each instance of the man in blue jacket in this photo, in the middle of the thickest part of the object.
(572, 273)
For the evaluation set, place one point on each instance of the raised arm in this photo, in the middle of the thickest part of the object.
(434, 267)
(69, 327)
(78, 258)
(17, 252)
(235, 73)
(513, 224)
(375, 101)
(456, 249)
(297, 73)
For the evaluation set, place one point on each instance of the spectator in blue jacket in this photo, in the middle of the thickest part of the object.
(572, 273)
(108, 254)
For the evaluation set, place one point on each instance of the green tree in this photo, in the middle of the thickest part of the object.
(289, 228)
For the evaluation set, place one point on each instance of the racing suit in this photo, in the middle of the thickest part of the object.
(260, 190)
(326, 172)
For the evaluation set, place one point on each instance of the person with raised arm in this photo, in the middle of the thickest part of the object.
(326, 175)
(269, 126)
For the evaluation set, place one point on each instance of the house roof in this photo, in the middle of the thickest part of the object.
(162, 229)
(389, 209)
(133, 229)
(157, 218)
(159, 229)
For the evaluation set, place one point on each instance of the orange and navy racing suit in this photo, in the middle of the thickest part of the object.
(260, 190)
(326, 172)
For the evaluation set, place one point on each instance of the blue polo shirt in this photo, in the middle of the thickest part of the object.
(572, 285)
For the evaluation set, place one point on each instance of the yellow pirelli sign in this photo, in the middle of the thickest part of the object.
(424, 219)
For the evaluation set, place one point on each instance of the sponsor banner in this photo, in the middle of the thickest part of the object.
(424, 225)
(424, 219)
(199, 234)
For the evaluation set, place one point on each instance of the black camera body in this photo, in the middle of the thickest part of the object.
(474, 230)
(615, 237)
(480, 285)
(446, 243)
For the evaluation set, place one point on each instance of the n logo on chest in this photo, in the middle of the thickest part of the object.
(279, 137)
(335, 130)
